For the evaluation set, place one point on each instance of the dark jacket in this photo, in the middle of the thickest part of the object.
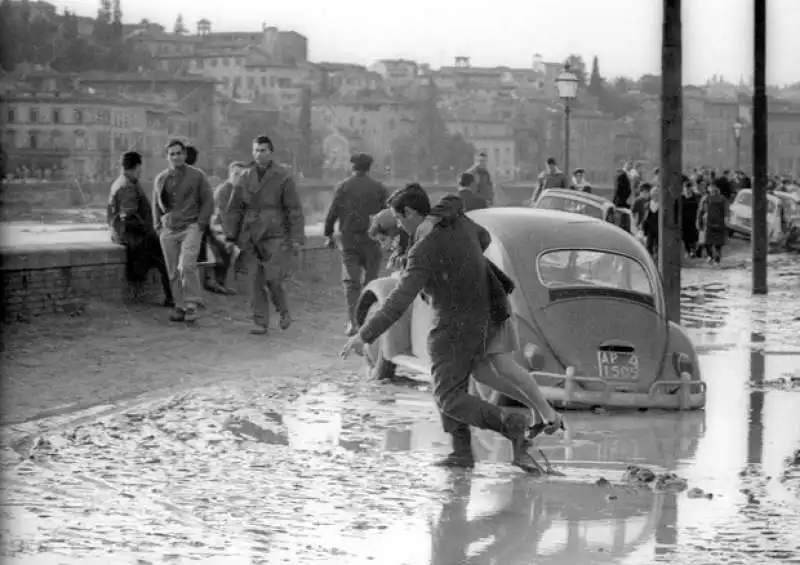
(264, 209)
(483, 186)
(470, 199)
(128, 214)
(355, 201)
(622, 190)
(689, 207)
(182, 197)
(448, 265)
(711, 217)
(222, 196)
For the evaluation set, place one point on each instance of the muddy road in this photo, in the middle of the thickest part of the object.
(276, 452)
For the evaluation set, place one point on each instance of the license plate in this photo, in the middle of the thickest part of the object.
(618, 365)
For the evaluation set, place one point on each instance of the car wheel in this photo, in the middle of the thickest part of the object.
(378, 367)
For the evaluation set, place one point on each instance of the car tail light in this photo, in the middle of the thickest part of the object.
(683, 364)
(535, 359)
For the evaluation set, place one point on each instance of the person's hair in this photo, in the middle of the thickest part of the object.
(131, 160)
(579, 171)
(175, 143)
(410, 196)
(551, 161)
(236, 165)
(482, 154)
(466, 179)
(191, 154)
(264, 139)
(645, 186)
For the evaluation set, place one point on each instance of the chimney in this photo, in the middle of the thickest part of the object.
(203, 27)
(538, 65)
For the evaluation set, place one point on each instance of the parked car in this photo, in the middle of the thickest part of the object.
(783, 215)
(585, 203)
(589, 309)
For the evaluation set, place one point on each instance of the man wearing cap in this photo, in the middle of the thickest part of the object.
(265, 220)
(355, 201)
(482, 187)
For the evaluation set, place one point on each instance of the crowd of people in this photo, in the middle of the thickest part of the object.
(253, 222)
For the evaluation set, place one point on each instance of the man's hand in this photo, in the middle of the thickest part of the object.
(354, 344)
(330, 243)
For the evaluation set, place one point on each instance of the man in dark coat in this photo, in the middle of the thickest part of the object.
(265, 219)
(622, 189)
(131, 221)
(448, 265)
(471, 200)
(355, 201)
(483, 187)
(226, 253)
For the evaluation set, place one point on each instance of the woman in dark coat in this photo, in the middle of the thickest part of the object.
(711, 218)
(650, 223)
(690, 202)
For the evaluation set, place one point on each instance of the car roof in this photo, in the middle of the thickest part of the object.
(773, 197)
(569, 193)
(519, 227)
(789, 195)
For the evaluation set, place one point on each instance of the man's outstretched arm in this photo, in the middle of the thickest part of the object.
(416, 274)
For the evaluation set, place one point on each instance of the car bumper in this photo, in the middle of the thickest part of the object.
(683, 394)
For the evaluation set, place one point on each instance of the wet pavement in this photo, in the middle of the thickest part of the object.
(340, 474)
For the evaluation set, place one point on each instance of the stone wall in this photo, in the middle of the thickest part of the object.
(49, 279)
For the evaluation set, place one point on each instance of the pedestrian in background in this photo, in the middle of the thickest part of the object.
(650, 223)
(711, 217)
(182, 207)
(355, 200)
(690, 202)
(483, 186)
(265, 220)
(130, 219)
(622, 189)
(471, 200)
(551, 177)
(579, 181)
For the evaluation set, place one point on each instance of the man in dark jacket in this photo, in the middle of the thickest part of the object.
(448, 265)
(465, 192)
(622, 189)
(483, 187)
(355, 201)
(131, 221)
(226, 253)
(182, 206)
(551, 177)
(265, 219)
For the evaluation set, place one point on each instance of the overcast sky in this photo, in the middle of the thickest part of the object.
(624, 34)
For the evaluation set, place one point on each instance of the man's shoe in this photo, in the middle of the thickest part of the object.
(177, 315)
(461, 457)
(190, 316)
(286, 321)
(456, 461)
(258, 329)
(516, 430)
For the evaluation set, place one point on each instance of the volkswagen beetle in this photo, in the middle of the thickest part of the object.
(589, 310)
(592, 205)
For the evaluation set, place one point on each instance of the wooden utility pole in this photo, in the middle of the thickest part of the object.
(759, 229)
(670, 246)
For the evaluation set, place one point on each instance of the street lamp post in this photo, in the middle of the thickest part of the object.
(567, 84)
(737, 134)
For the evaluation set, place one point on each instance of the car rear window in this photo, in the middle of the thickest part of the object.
(569, 205)
(589, 268)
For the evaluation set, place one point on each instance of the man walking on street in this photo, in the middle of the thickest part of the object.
(482, 187)
(265, 219)
(355, 201)
(131, 221)
(448, 265)
(182, 207)
(551, 177)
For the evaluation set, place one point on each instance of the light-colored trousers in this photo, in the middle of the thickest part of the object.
(181, 249)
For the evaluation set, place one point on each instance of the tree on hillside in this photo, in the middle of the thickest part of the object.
(8, 36)
(435, 148)
(596, 83)
(76, 54)
(304, 127)
(179, 26)
(577, 66)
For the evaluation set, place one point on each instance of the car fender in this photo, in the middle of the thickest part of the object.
(679, 342)
(397, 339)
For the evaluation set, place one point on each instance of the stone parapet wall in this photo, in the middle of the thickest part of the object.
(48, 279)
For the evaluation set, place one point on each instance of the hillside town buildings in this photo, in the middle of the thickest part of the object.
(209, 86)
